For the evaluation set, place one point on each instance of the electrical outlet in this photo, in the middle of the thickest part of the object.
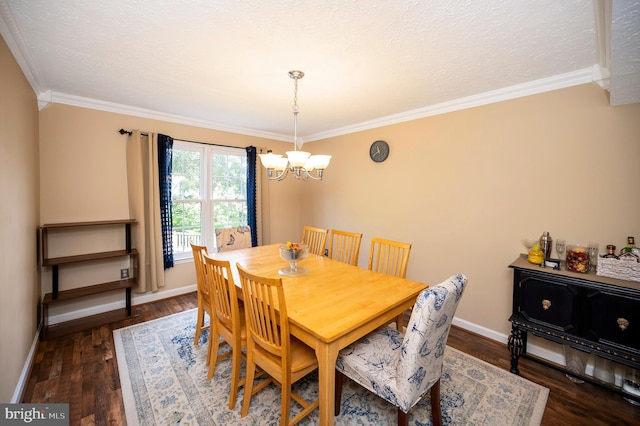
(124, 274)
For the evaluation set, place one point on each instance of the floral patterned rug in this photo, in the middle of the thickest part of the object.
(164, 382)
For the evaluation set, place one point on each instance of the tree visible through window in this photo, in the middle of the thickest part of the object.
(209, 191)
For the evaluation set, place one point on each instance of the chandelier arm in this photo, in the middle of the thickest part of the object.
(310, 176)
(275, 175)
(282, 174)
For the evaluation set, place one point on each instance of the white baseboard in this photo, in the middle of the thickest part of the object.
(546, 354)
(26, 368)
(136, 299)
(555, 357)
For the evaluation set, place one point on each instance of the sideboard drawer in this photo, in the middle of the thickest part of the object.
(613, 319)
(550, 303)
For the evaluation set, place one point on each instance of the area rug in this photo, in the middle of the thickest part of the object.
(164, 382)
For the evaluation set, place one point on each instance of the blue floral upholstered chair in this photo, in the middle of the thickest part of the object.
(402, 368)
(235, 238)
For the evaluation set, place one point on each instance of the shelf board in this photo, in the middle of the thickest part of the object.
(88, 257)
(94, 223)
(89, 290)
(85, 323)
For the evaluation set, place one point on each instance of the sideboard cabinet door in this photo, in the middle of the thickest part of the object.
(613, 319)
(549, 303)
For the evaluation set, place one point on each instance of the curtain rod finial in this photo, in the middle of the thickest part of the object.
(123, 131)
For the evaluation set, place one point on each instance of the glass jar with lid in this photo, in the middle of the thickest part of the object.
(577, 258)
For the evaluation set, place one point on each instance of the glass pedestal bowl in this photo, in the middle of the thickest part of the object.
(293, 255)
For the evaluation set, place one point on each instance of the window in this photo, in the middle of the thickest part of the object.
(209, 191)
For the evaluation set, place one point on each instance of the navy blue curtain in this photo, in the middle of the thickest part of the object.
(252, 212)
(165, 153)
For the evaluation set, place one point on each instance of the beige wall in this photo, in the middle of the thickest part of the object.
(19, 280)
(465, 187)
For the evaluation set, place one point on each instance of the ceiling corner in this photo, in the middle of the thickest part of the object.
(14, 40)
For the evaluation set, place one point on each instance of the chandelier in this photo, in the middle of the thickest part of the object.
(300, 163)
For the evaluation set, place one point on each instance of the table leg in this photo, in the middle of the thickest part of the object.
(517, 345)
(327, 354)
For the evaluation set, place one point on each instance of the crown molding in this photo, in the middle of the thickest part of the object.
(49, 97)
(518, 91)
(575, 78)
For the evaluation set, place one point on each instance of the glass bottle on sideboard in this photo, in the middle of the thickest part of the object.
(611, 252)
(630, 252)
(631, 244)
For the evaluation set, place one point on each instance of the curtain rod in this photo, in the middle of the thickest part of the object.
(129, 132)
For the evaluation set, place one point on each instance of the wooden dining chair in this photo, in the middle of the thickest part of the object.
(271, 347)
(315, 238)
(204, 298)
(344, 246)
(390, 258)
(409, 364)
(228, 322)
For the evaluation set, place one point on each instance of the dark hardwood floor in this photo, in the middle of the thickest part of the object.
(81, 369)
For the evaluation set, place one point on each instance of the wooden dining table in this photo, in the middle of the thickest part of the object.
(331, 306)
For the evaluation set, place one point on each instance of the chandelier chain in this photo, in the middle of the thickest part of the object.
(295, 96)
(295, 75)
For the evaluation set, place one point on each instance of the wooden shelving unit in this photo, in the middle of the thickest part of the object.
(56, 295)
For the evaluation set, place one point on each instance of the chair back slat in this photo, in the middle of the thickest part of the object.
(389, 257)
(345, 246)
(315, 238)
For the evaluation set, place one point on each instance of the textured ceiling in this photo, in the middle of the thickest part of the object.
(224, 64)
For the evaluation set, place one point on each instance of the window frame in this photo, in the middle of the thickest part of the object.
(207, 203)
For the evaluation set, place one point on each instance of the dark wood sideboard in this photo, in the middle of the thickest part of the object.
(588, 312)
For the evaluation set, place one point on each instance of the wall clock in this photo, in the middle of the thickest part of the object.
(379, 151)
